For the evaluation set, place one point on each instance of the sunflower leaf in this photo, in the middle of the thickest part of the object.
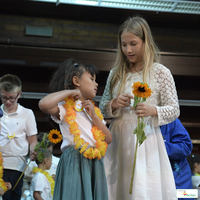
(144, 99)
(43, 144)
(135, 131)
(141, 137)
(37, 146)
(40, 156)
(142, 125)
(44, 137)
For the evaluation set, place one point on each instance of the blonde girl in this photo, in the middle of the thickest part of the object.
(138, 60)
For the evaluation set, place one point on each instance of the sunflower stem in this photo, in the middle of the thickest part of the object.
(21, 175)
(133, 171)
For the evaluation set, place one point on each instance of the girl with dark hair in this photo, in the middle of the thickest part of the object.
(80, 173)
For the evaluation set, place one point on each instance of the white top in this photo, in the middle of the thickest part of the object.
(84, 124)
(51, 171)
(41, 184)
(153, 179)
(196, 184)
(23, 124)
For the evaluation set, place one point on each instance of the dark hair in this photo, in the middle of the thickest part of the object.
(62, 78)
(10, 82)
(47, 154)
(192, 159)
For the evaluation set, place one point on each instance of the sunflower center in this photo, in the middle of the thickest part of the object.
(54, 136)
(141, 89)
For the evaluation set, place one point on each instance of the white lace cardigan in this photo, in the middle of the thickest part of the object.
(164, 95)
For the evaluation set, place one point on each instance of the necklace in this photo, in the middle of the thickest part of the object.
(2, 182)
(49, 178)
(100, 146)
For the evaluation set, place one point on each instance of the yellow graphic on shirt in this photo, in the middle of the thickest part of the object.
(11, 135)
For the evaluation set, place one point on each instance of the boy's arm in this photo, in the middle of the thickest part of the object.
(32, 142)
(180, 144)
(36, 195)
(49, 104)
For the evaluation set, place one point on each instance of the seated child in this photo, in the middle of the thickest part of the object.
(42, 184)
(178, 145)
(194, 162)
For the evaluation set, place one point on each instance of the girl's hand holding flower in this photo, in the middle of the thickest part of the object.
(123, 100)
(145, 110)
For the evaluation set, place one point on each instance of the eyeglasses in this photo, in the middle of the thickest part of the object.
(11, 99)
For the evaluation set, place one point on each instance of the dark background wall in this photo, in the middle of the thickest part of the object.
(89, 34)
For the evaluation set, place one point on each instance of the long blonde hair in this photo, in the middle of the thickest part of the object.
(139, 27)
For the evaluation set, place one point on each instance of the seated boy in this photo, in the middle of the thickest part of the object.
(42, 184)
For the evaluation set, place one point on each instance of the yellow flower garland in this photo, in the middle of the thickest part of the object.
(99, 136)
(2, 182)
(49, 178)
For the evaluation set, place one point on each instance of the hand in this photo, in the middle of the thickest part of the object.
(9, 186)
(53, 176)
(89, 107)
(33, 155)
(123, 100)
(145, 110)
(1, 191)
(76, 94)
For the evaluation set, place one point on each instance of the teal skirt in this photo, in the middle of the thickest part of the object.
(78, 178)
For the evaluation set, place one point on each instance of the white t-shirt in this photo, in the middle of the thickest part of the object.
(41, 184)
(84, 125)
(21, 123)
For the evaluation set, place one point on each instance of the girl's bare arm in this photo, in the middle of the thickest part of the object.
(49, 104)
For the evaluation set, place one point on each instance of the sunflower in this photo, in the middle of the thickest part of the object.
(141, 90)
(54, 136)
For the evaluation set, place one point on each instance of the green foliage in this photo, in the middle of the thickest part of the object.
(40, 156)
(41, 145)
(135, 102)
(139, 131)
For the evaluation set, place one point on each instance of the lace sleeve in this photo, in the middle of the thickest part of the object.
(168, 110)
(106, 101)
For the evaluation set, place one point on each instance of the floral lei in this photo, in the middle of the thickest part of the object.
(2, 182)
(49, 178)
(100, 146)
